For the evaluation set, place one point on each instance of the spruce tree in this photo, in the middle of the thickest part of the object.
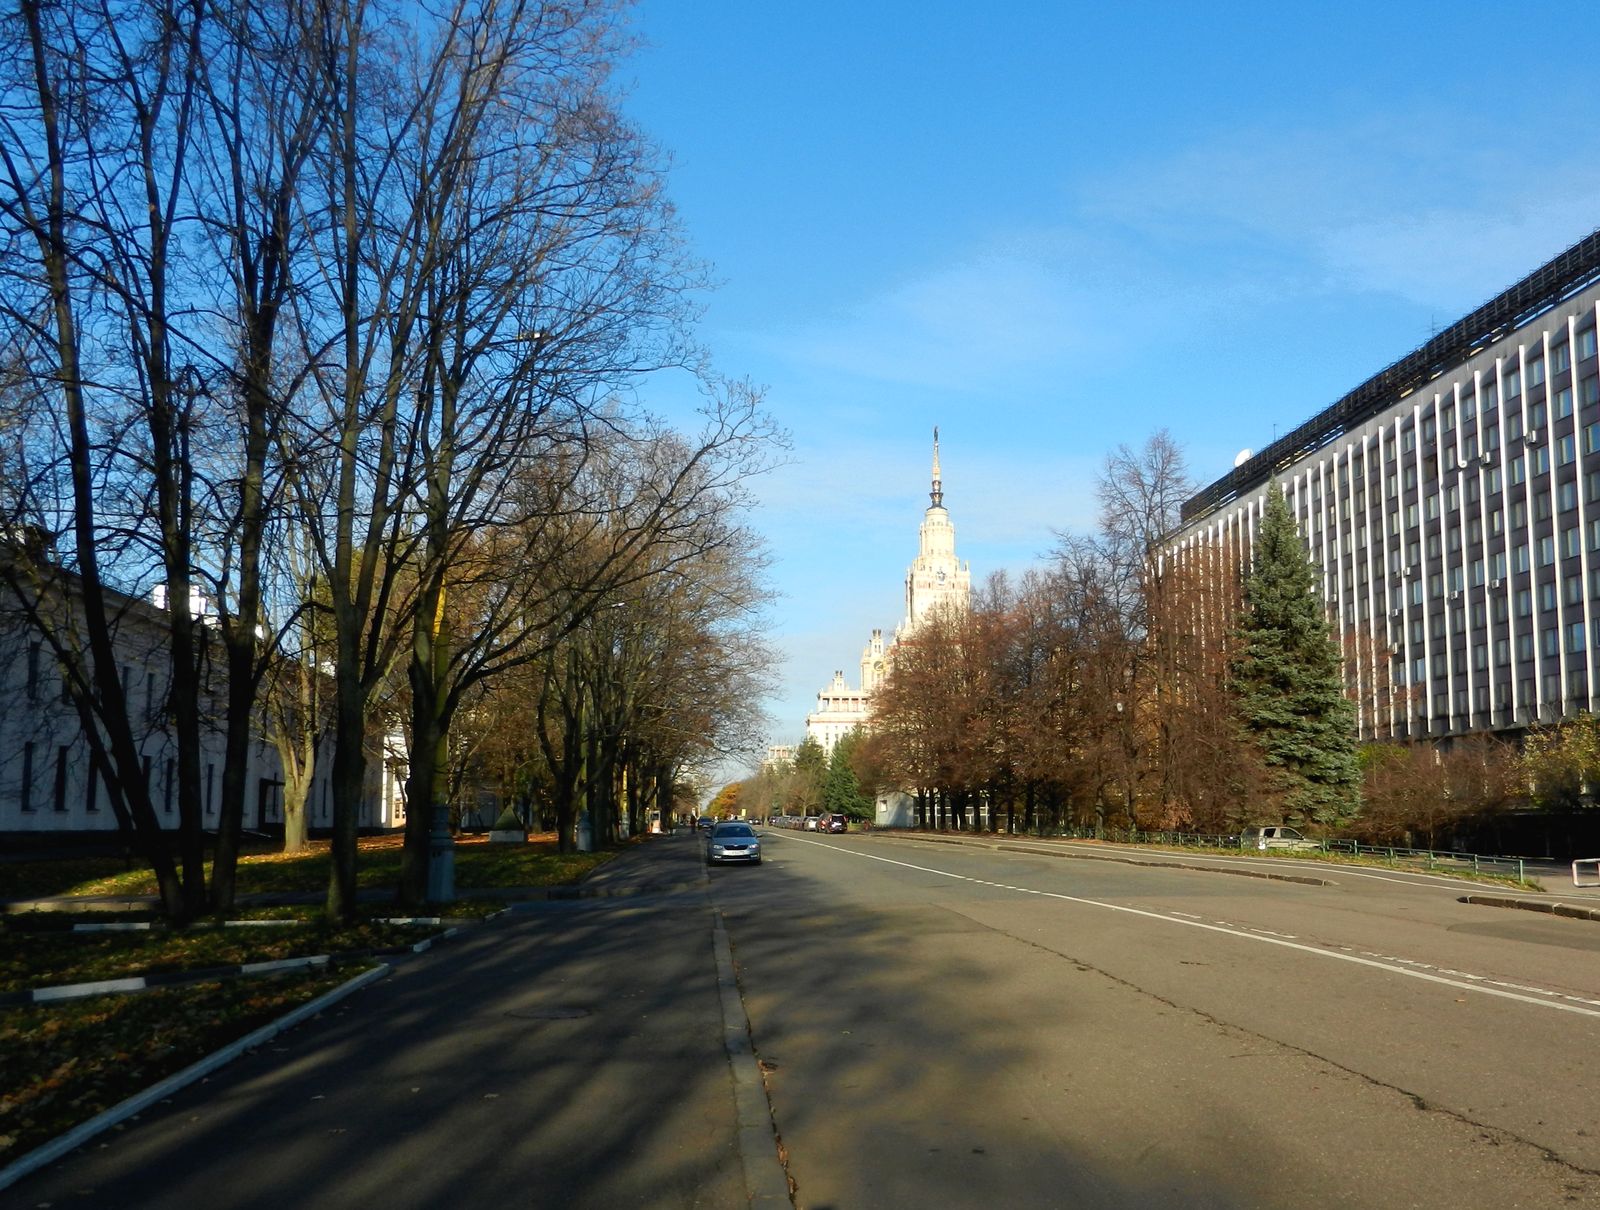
(1286, 679)
(841, 789)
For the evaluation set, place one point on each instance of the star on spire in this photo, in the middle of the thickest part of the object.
(937, 494)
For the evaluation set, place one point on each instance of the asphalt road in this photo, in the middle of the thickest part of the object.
(567, 1055)
(946, 1025)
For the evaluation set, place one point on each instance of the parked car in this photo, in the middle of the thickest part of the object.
(834, 823)
(1276, 838)
(813, 823)
(733, 842)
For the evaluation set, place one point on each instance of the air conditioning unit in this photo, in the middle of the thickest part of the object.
(1409, 572)
(1485, 459)
(1495, 583)
(1533, 436)
(1397, 612)
(1455, 594)
(1397, 649)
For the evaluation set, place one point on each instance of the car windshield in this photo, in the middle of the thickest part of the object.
(733, 829)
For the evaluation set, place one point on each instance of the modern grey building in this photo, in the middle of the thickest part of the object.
(1452, 503)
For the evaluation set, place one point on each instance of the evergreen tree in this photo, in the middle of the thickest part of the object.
(810, 771)
(1287, 683)
(841, 788)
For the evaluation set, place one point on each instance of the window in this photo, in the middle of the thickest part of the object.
(1560, 358)
(1519, 470)
(1524, 602)
(1547, 598)
(1497, 521)
(1564, 402)
(1408, 438)
(25, 790)
(1524, 647)
(91, 788)
(1541, 459)
(34, 648)
(1536, 417)
(1571, 543)
(1480, 657)
(1498, 562)
(1502, 652)
(167, 787)
(1541, 506)
(1572, 590)
(1586, 343)
(211, 777)
(1568, 495)
(1510, 383)
(1433, 507)
(1513, 426)
(1591, 437)
(1592, 485)
(1535, 371)
(1411, 477)
(1519, 557)
(1566, 450)
(1575, 637)
(1547, 551)
(1550, 641)
(63, 756)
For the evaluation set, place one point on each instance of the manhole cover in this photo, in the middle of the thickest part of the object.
(556, 1012)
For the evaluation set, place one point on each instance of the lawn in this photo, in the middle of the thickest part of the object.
(479, 866)
(47, 958)
(66, 1062)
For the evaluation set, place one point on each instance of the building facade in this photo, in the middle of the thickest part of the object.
(1452, 505)
(49, 783)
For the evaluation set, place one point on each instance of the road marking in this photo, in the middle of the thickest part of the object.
(1410, 968)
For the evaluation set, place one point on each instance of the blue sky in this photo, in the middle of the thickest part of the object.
(1055, 228)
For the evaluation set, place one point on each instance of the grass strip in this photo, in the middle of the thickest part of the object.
(48, 959)
(479, 865)
(64, 1063)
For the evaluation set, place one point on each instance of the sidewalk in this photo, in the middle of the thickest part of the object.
(572, 1053)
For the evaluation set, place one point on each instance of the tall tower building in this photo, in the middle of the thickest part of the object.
(936, 578)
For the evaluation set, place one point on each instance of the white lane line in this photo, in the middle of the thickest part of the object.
(1485, 987)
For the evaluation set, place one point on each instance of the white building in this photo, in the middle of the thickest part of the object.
(49, 784)
(935, 580)
(1451, 504)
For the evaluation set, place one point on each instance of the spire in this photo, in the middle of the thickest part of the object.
(937, 494)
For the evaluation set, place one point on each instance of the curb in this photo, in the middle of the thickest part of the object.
(1003, 846)
(1571, 911)
(139, 1102)
(766, 1181)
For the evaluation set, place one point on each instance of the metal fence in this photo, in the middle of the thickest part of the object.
(1422, 859)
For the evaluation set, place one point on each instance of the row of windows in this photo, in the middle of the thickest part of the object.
(29, 800)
